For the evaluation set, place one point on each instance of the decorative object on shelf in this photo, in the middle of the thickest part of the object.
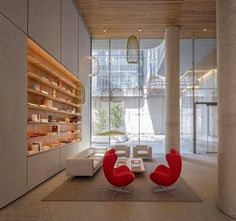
(155, 84)
(47, 103)
(90, 66)
(138, 91)
(59, 83)
(44, 120)
(50, 118)
(36, 86)
(132, 50)
(117, 95)
(74, 120)
(36, 146)
(67, 119)
(54, 92)
(56, 129)
(35, 117)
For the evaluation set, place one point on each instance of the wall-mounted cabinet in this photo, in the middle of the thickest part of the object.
(44, 20)
(43, 166)
(69, 36)
(16, 11)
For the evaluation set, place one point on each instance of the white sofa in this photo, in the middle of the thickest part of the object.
(85, 163)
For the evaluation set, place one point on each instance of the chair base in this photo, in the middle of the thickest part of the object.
(163, 188)
(118, 190)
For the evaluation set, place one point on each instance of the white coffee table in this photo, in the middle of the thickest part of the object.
(136, 165)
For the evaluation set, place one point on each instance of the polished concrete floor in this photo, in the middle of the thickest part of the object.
(198, 170)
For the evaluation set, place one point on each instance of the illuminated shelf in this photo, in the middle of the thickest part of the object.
(32, 122)
(52, 110)
(43, 64)
(32, 91)
(51, 85)
(63, 92)
(53, 135)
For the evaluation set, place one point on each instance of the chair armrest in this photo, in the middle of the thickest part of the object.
(135, 151)
(128, 152)
(150, 151)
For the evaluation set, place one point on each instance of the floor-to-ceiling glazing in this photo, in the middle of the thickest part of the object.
(128, 100)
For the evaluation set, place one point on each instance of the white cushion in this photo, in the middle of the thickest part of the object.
(142, 152)
(120, 152)
(99, 154)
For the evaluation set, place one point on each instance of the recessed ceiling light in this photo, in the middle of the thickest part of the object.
(104, 30)
(139, 29)
(204, 29)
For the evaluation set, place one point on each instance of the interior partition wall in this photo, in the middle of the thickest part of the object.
(128, 100)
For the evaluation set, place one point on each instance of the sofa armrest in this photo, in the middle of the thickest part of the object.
(150, 151)
(79, 167)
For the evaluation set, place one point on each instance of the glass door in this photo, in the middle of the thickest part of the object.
(212, 130)
(206, 138)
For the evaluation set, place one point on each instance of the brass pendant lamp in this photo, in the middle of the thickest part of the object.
(132, 50)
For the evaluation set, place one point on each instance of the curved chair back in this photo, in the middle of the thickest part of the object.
(175, 164)
(109, 161)
(167, 176)
(120, 176)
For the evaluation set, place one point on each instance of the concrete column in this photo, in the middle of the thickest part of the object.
(226, 84)
(172, 113)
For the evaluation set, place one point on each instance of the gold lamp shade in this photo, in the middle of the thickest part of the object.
(132, 50)
(155, 85)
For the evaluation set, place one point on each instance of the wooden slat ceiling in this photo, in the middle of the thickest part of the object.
(122, 18)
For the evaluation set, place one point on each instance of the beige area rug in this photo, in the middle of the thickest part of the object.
(94, 189)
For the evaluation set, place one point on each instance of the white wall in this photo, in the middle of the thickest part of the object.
(54, 25)
(13, 95)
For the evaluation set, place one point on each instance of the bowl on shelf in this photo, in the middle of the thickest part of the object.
(44, 120)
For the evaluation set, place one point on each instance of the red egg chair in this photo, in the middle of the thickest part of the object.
(165, 176)
(119, 177)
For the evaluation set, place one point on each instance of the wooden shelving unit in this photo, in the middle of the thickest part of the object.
(55, 98)
(51, 135)
(52, 110)
(50, 84)
(61, 123)
(52, 98)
